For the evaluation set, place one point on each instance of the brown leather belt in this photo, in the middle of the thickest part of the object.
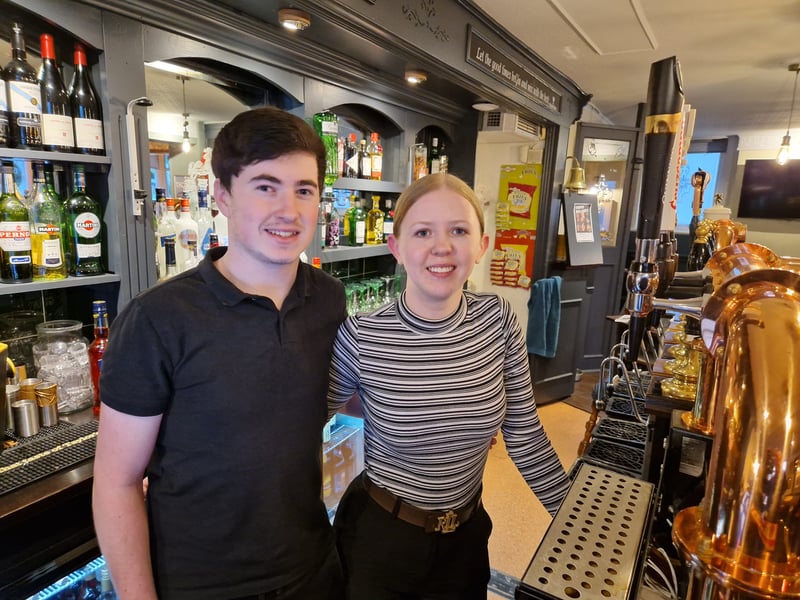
(432, 521)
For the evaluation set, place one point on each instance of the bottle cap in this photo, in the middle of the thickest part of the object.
(46, 42)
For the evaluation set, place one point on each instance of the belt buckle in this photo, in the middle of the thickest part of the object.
(447, 522)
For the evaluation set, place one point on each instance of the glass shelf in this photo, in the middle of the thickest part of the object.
(45, 155)
(369, 185)
(332, 255)
(36, 286)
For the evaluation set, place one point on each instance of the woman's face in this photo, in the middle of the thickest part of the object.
(439, 244)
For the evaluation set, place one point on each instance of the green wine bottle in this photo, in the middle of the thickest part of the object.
(85, 229)
(15, 233)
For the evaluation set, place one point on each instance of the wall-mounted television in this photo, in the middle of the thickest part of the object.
(770, 190)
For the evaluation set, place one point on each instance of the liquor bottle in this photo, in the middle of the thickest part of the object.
(170, 262)
(434, 162)
(213, 240)
(15, 233)
(322, 220)
(106, 587)
(98, 347)
(388, 221)
(356, 223)
(375, 156)
(4, 133)
(326, 125)
(374, 225)
(87, 115)
(166, 229)
(444, 160)
(350, 168)
(57, 129)
(91, 588)
(205, 224)
(332, 228)
(85, 229)
(23, 96)
(186, 234)
(700, 252)
(220, 223)
(191, 259)
(47, 244)
(364, 163)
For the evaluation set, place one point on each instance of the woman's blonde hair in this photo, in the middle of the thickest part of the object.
(429, 183)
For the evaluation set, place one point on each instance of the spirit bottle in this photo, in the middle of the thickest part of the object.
(98, 347)
(444, 160)
(167, 229)
(205, 224)
(47, 245)
(24, 96)
(374, 232)
(185, 234)
(434, 162)
(332, 228)
(171, 265)
(326, 125)
(15, 233)
(364, 162)
(350, 167)
(356, 223)
(388, 221)
(84, 229)
(375, 156)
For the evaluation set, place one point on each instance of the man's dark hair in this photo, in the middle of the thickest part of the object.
(260, 134)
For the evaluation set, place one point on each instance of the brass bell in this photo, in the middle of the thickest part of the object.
(577, 178)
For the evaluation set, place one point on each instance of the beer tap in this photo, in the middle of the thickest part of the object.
(662, 124)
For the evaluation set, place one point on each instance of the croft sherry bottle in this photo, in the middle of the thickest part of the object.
(15, 233)
(86, 112)
(57, 129)
(47, 244)
(98, 347)
(85, 230)
(23, 96)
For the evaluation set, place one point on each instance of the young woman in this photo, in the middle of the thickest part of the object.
(438, 373)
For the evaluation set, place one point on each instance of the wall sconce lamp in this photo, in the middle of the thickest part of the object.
(137, 194)
(577, 178)
(783, 153)
(294, 19)
(415, 76)
(484, 106)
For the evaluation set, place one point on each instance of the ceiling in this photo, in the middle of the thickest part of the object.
(734, 54)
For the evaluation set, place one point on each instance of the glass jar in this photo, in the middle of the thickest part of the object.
(61, 355)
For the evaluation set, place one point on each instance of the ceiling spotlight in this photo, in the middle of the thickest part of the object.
(484, 106)
(415, 76)
(294, 19)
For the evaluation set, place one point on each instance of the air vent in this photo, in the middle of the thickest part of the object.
(510, 123)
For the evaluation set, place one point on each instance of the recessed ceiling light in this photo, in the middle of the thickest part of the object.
(294, 19)
(416, 76)
(484, 106)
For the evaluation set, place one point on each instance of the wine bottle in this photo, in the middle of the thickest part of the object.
(364, 162)
(87, 115)
(57, 129)
(434, 162)
(4, 133)
(98, 347)
(47, 245)
(388, 221)
(350, 167)
(15, 233)
(23, 96)
(85, 229)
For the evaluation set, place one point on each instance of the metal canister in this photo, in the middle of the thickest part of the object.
(12, 395)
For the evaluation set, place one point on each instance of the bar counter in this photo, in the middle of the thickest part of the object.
(46, 526)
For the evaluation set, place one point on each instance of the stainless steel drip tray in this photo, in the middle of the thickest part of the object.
(594, 543)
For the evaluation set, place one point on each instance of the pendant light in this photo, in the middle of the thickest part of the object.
(186, 145)
(783, 153)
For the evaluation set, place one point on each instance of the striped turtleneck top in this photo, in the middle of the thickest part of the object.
(434, 393)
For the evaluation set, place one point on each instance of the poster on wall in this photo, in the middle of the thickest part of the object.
(583, 229)
(511, 264)
(516, 216)
(518, 197)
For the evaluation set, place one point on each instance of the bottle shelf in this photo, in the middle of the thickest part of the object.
(37, 286)
(369, 185)
(332, 255)
(72, 157)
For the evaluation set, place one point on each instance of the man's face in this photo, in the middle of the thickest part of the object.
(272, 208)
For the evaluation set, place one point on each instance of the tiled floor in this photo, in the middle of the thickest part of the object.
(519, 519)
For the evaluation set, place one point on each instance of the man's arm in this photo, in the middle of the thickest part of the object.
(124, 446)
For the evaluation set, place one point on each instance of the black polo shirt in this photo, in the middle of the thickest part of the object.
(234, 496)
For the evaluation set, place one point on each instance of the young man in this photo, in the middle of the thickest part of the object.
(213, 386)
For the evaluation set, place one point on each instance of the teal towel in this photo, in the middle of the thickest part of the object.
(544, 317)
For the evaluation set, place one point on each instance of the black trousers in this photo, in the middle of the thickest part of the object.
(324, 583)
(385, 558)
